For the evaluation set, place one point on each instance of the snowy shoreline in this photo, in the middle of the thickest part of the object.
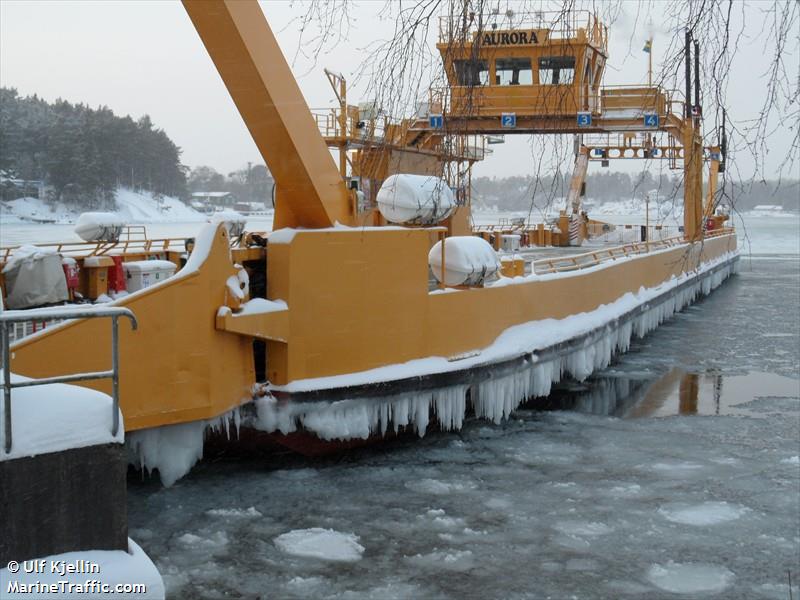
(131, 206)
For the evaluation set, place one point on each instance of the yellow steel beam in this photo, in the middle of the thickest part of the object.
(578, 177)
(692, 181)
(713, 173)
(631, 152)
(266, 326)
(543, 124)
(311, 192)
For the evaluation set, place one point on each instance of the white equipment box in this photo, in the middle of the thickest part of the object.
(144, 273)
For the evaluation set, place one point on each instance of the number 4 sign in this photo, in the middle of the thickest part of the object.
(651, 120)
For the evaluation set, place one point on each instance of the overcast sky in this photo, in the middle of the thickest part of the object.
(145, 58)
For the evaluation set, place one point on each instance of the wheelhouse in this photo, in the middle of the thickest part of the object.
(531, 64)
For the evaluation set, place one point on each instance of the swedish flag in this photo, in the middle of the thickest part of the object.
(648, 46)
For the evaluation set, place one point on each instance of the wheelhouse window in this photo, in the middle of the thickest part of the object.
(471, 72)
(513, 71)
(557, 70)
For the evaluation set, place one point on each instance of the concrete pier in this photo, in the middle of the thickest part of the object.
(65, 501)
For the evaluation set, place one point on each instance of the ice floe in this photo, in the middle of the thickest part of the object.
(324, 544)
(235, 513)
(690, 578)
(582, 528)
(216, 541)
(436, 487)
(452, 560)
(707, 513)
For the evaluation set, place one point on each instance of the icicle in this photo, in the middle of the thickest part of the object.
(494, 398)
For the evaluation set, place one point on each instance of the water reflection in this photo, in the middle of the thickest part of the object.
(636, 395)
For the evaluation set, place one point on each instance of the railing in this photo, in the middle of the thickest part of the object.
(628, 233)
(21, 316)
(559, 25)
(100, 248)
(615, 234)
(503, 226)
(384, 130)
(372, 130)
(594, 258)
(17, 331)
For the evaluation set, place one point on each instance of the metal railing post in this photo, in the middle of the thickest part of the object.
(6, 385)
(8, 318)
(115, 376)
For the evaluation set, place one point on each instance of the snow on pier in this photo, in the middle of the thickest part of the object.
(55, 417)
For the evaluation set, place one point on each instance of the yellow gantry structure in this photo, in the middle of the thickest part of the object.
(309, 189)
(543, 75)
(350, 299)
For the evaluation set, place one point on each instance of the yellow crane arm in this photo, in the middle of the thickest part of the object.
(578, 177)
(310, 190)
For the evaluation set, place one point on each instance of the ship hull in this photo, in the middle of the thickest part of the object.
(357, 344)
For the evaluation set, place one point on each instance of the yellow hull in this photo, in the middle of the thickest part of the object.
(356, 299)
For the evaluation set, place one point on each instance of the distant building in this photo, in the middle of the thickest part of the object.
(12, 187)
(201, 200)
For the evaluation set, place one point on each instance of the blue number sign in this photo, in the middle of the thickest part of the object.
(436, 121)
(584, 119)
(508, 120)
(651, 120)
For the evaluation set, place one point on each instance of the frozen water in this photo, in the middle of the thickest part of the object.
(324, 544)
(582, 528)
(707, 513)
(501, 492)
(243, 513)
(690, 578)
(453, 560)
(215, 542)
(435, 487)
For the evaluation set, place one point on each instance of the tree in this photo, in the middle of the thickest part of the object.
(84, 154)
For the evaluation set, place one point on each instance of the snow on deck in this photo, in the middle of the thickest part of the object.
(98, 567)
(286, 235)
(55, 417)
